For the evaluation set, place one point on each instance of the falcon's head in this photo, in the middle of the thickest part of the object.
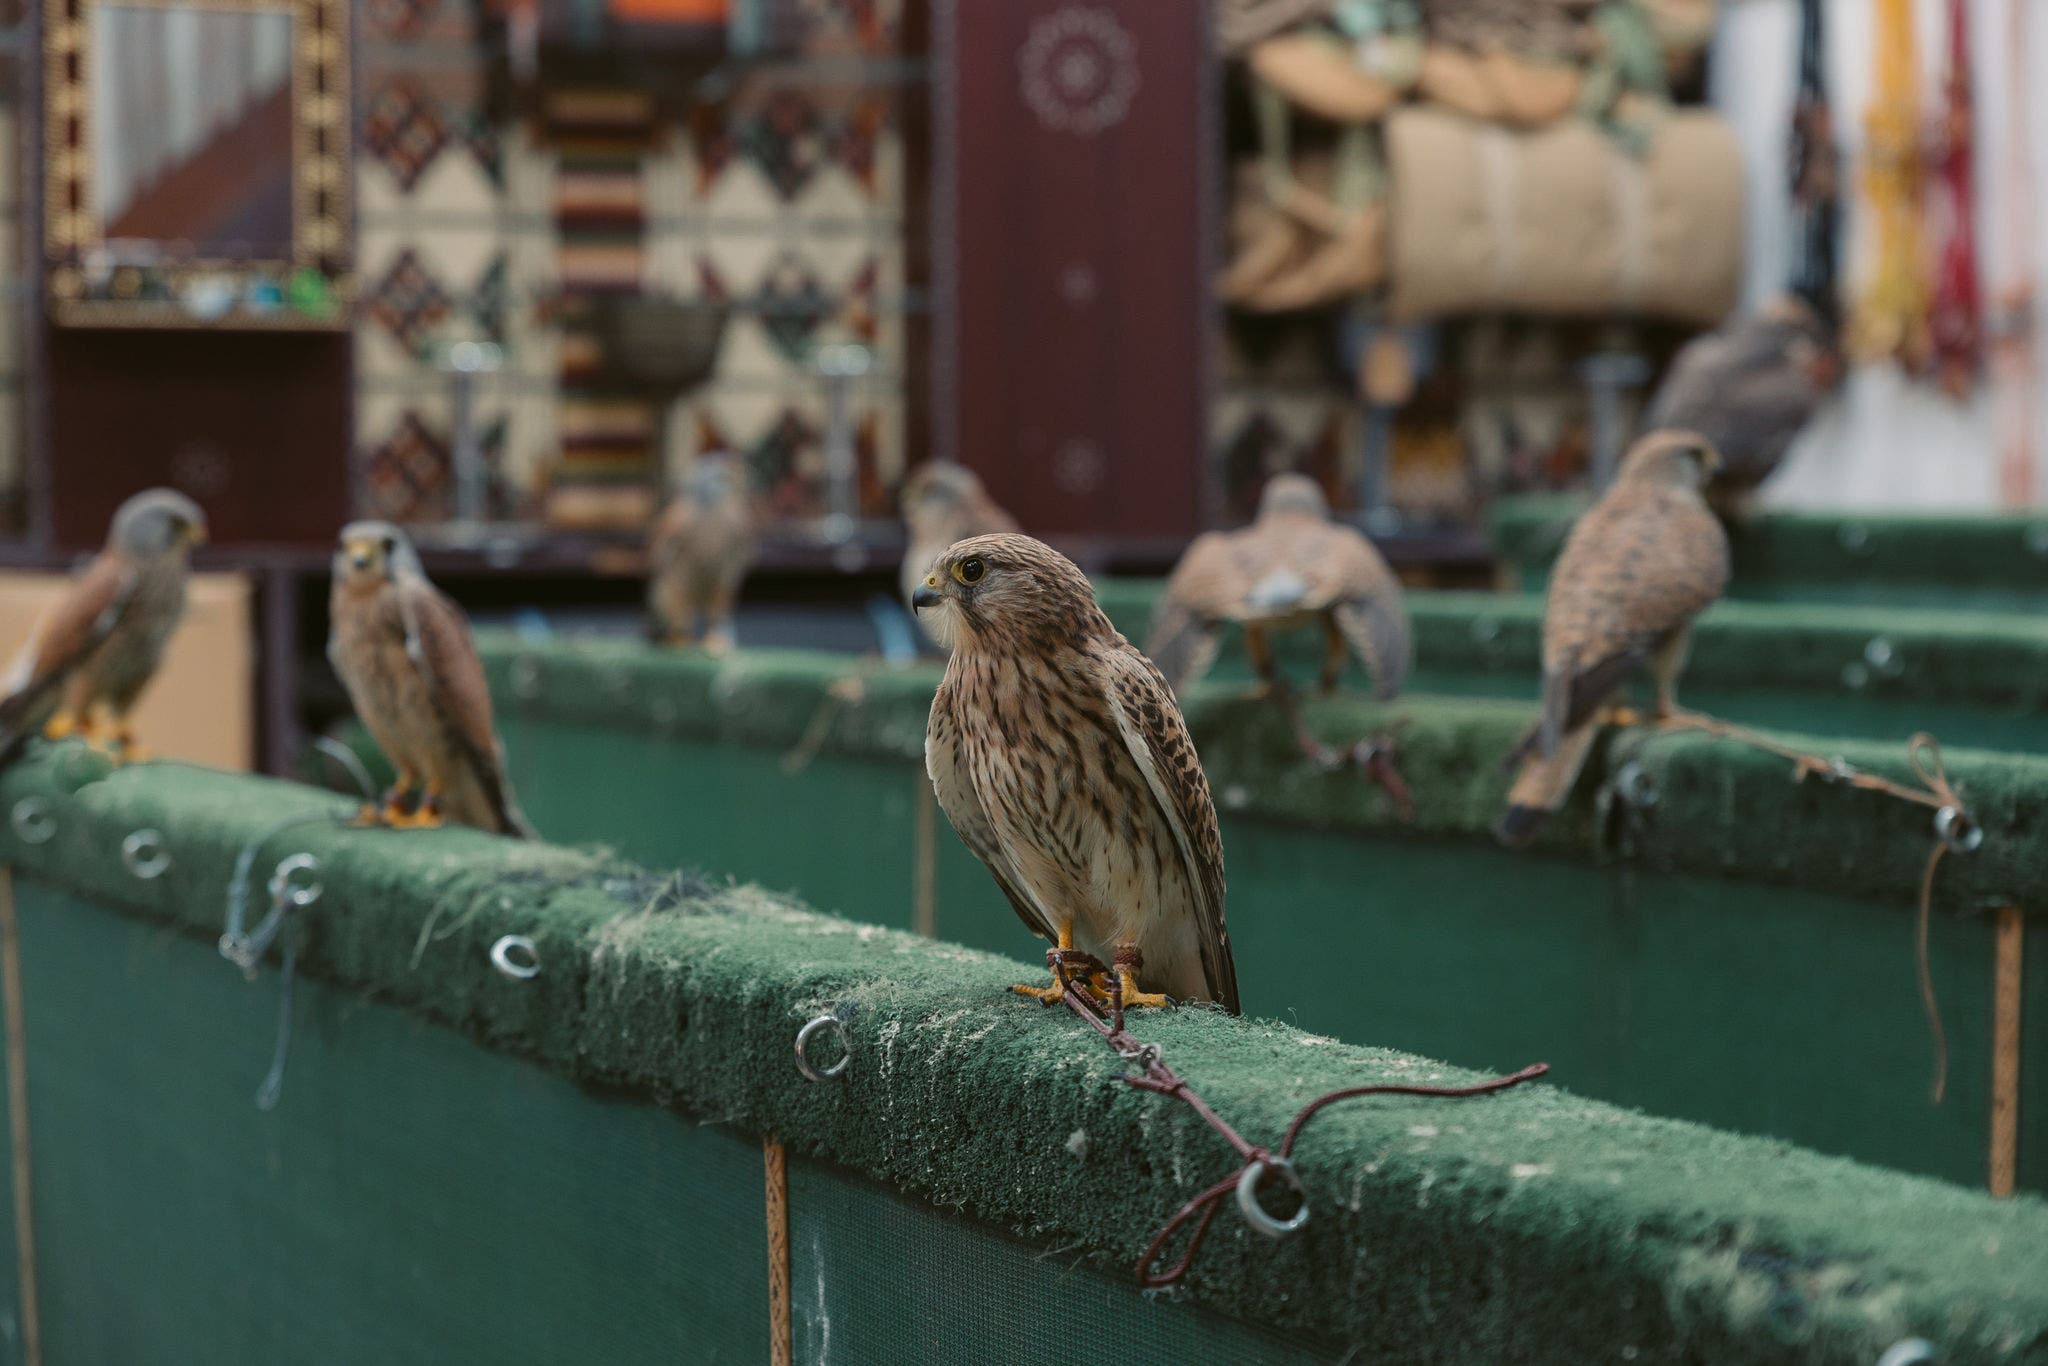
(157, 522)
(936, 490)
(1006, 593)
(1295, 494)
(1680, 459)
(371, 554)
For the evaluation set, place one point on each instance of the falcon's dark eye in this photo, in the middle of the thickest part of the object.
(971, 570)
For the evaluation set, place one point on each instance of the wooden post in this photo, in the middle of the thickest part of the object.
(777, 1171)
(2007, 959)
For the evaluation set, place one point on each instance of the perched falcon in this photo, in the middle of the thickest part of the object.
(403, 651)
(700, 552)
(942, 503)
(96, 648)
(1290, 567)
(1637, 568)
(1057, 752)
(1750, 389)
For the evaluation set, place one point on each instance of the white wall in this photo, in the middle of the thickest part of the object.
(1887, 441)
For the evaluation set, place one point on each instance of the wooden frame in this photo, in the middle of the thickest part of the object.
(319, 270)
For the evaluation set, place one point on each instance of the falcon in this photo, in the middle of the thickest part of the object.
(98, 646)
(1750, 389)
(403, 651)
(1055, 748)
(700, 551)
(942, 503)
(1292, 566)
(1636, 569)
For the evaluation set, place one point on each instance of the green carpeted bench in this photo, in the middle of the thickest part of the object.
(468, 1167)
(1973, 678)
(1994, 562)
(1711, 939)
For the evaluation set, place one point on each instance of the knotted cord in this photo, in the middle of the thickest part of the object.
(1156, 1076)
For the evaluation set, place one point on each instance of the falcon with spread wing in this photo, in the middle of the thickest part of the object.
(1291, 567)
(403, 650)
(1636, 569)
(98, 646)
(1057, 751)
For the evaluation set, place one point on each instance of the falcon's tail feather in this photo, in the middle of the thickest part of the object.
(496, 789)
(1544, 783)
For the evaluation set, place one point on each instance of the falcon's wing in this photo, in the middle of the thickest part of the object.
(437, 639)
(70, 630)
(955, 791)
(1638, 567)
(1157, 736)
(1365, 602)
(1206, 587)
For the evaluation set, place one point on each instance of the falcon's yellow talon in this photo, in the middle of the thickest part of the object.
(62, 726)
(1045, 996)
(1621, 716)
(369, 815)
(1134, 997)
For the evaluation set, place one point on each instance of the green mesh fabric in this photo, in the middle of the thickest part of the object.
(412, 1199)
(877, 1277)
(1997, 561)
(1534, 1226)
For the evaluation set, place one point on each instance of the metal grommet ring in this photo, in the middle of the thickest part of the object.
(803, 1049)
(144, 853)
(32, 821)
(1957, 830)
(1635, 785)
(1254, 1212)
(291, 881)
(522, 968)
(1908, 1352)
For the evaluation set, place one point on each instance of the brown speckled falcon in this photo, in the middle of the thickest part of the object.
(942, 503)
(404, 653)
(1750, 388)
(1641, 563)
(97, 647)
(1290, 567)
(698, 555)
(1057, 752)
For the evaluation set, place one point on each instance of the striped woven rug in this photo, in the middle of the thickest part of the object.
(607, 473)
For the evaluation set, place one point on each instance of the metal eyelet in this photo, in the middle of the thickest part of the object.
(145, 855)
(1956, 830)
(1255, 1213)
(32, 821)
(516, 957)
(803, 1049)
(292, 881)
(1908, 1352)
(1636, 785)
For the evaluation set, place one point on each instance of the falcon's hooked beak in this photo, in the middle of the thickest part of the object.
(193, 535)
(927, 594)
